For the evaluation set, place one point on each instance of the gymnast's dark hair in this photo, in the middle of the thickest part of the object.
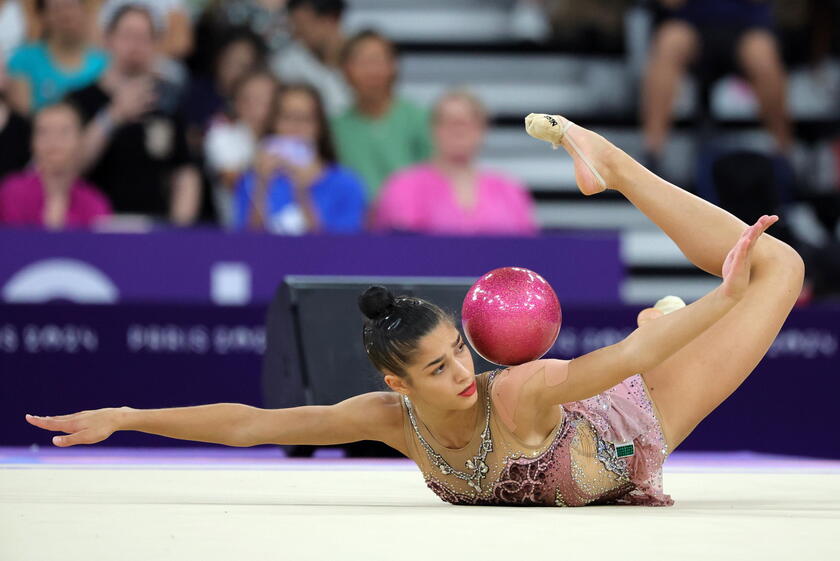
(394, 325)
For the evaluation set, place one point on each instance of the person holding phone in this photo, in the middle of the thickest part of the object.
(296, 186)
(230, 146)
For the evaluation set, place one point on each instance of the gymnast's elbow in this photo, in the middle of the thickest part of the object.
(354, 419)
(294, 425)
(636, 356)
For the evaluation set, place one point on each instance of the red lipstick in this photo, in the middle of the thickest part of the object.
(469, 391)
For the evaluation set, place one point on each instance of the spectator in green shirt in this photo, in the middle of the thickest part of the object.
(381, 132)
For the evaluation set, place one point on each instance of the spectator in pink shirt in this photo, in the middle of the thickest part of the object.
(50, 193)
(449, 194)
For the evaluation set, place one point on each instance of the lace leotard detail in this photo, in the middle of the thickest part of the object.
(576, 465)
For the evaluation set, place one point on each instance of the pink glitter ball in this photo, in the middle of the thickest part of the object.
(511, 316)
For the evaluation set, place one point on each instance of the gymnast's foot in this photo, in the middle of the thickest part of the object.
(594, 156)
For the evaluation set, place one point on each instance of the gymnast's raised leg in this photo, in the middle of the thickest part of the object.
(696, 379)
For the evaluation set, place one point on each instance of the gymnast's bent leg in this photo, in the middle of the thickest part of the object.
(694, 381)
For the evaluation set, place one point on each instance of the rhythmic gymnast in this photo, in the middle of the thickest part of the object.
(592, 430)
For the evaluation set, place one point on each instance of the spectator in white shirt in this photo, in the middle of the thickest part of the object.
(314, 57)
(231, 142)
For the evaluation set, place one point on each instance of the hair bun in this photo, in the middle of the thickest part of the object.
(376, 301)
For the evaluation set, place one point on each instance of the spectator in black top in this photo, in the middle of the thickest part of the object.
(135, 140)
(266, 18)
(14, 134)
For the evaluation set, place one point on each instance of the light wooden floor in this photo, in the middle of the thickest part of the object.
(339, 510)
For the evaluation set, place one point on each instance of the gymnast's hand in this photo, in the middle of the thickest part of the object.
(736, 266)
(84, 427)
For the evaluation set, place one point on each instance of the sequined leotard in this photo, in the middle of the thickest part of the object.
(577, 464)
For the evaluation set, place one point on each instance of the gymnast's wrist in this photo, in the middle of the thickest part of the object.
(125, 417)
(725, 299)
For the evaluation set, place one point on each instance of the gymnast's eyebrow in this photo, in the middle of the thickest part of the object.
(440, 359)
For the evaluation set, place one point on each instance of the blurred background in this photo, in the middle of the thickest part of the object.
(167, 166)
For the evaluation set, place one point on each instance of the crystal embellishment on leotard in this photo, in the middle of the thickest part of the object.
(578, 465)
(476, 464)
(607, 454)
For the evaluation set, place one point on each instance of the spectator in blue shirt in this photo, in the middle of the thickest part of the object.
(63, 61)
(296, 186)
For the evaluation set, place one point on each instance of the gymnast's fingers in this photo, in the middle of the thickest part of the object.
(87, 436)
(65, 425)
(754, 232)
(741, 253)
(768, 220)
(60, 417)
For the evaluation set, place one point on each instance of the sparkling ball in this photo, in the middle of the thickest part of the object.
(511, 316)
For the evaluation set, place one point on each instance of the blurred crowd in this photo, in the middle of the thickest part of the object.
(249, 114)
(265, 115)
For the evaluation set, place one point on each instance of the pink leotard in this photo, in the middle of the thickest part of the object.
(577, 464)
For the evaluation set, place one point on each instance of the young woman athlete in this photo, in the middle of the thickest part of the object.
(591, 430)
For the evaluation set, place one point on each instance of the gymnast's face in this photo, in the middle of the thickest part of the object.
(441, 368)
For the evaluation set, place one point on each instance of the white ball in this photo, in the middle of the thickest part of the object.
(669, 303)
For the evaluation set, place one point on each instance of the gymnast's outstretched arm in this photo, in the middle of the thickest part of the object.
(549, 382)
(648, 346)
(361, 417)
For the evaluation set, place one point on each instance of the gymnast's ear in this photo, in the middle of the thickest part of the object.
(398, 384)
